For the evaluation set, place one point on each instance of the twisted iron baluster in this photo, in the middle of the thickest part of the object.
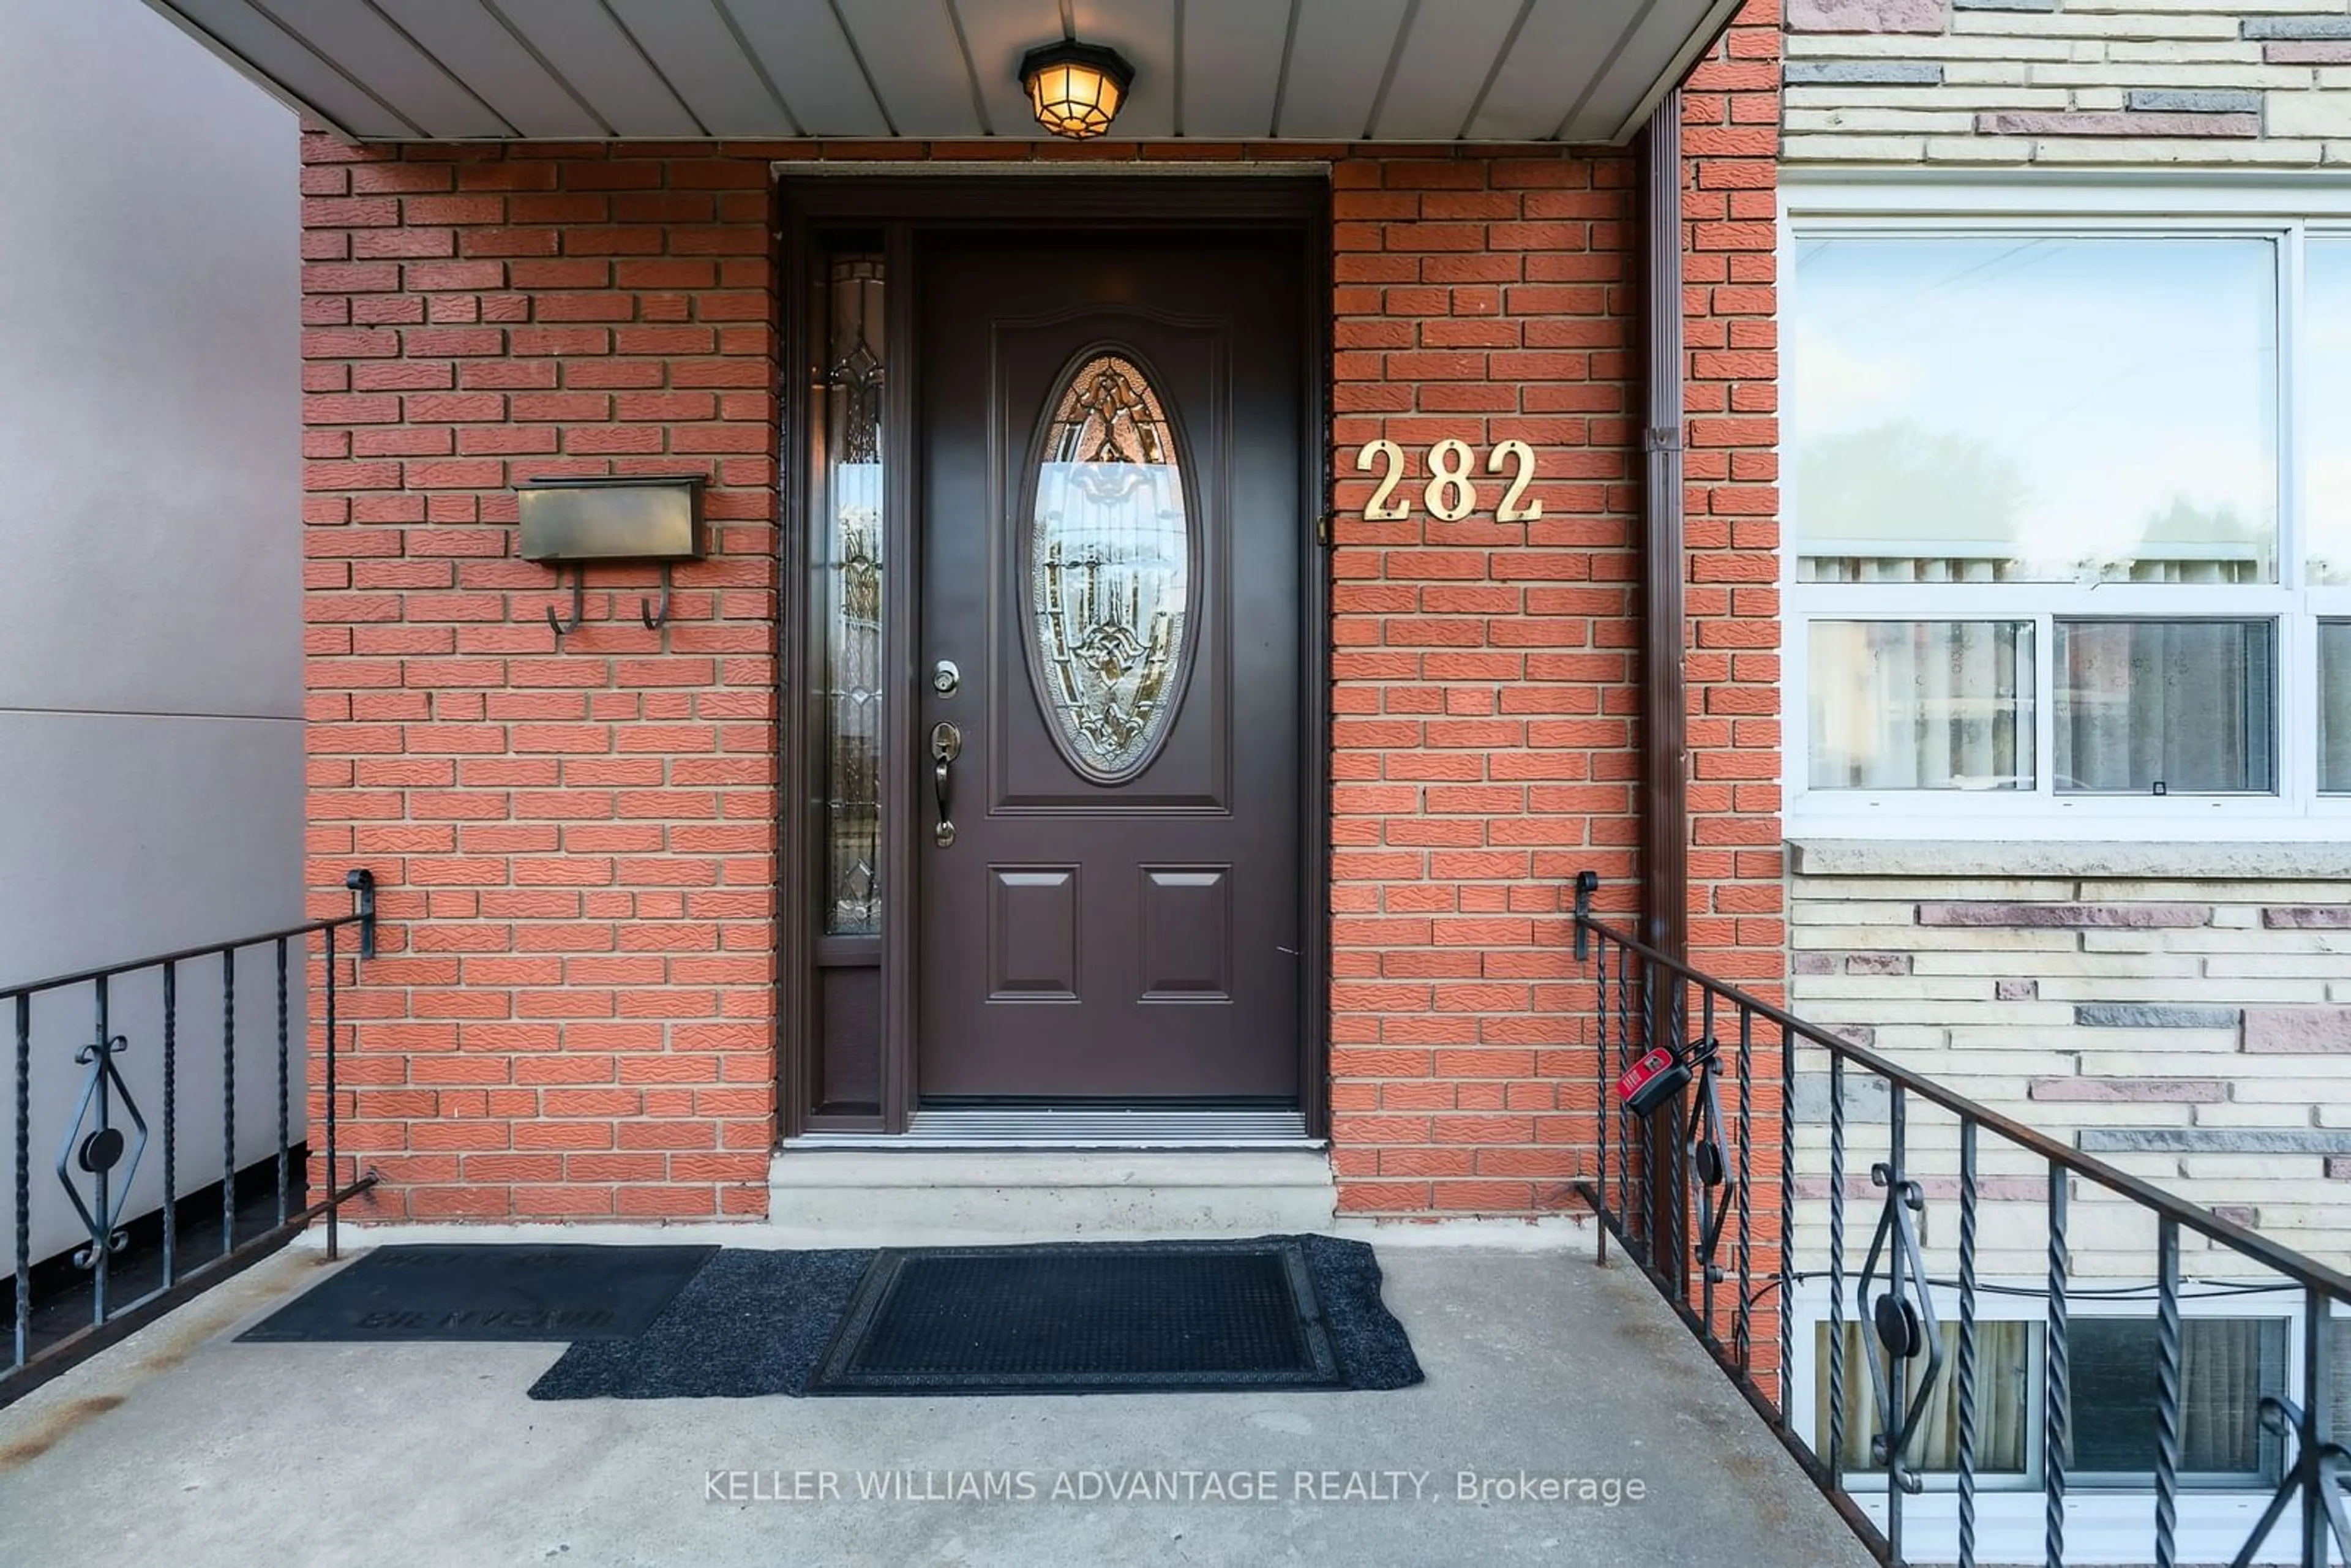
(2167, 1390)
(171, 1124)
(334, 1206)
(1649, 1254)
(1897, 1381)
(1625, 1053)
(1837, 1267)
(2319, 1459)
(228, 1100)
(24, 1179)
(284, 1123)
(2056, 1420)
(1676, 1182)
(1694, 1238)
(101, 1244)
(1600, 1111)
(1967, 1374)
(1787, 1221)
(2316, 1479)
(1743, 1330)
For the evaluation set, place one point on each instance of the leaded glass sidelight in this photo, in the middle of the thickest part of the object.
(848, 513)
(1110, 569)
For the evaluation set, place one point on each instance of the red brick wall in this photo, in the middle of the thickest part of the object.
(1737, 929)
(573, 1016)
(1731, 139)
(576, 842)
(1486, 695)
(1484, 690)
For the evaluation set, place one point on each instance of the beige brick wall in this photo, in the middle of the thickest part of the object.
(2070, 83)
(2194, 1032)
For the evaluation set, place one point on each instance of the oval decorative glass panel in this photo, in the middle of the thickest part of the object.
(1110, 569)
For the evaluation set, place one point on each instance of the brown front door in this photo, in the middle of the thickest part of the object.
(1111, 445)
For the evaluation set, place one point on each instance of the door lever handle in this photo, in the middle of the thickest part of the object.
(946, 745)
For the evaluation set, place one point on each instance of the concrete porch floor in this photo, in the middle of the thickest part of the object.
(181, 1445)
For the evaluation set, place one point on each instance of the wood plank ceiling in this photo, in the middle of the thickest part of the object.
(1213, 71)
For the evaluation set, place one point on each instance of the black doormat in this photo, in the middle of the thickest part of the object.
(1090, 1319)
(488, 1292)
(1280, 1312)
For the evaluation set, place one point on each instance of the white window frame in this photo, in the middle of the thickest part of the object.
(2287, 212)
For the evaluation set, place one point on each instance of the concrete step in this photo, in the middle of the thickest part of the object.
(931, 1198)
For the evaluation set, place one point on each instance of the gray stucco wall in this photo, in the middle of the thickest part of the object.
(150, 538)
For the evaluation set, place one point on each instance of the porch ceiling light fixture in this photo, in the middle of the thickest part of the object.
(1075, 89)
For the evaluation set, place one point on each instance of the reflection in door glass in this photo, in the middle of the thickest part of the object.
(1109, 569)
(848, 509)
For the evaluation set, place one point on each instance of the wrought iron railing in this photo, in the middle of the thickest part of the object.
(1674, 1187)
(97, 1158)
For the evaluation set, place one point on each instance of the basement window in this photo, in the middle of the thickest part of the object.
(2227, 1365)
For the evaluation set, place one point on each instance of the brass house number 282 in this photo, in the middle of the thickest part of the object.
(1450, 492)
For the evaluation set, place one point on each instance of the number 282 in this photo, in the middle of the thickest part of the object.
(1450, 492)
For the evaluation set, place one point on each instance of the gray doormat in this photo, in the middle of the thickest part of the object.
(795, 1323)
(476, 1291)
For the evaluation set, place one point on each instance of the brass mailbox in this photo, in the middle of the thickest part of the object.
(570, 522)
(619, 518)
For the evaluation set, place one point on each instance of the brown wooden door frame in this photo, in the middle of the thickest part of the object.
(895, 207)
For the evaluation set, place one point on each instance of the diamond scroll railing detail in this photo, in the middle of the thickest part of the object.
(1902, 1324)
(95, 1147)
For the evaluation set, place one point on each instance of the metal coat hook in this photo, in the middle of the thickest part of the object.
(572, 522)
(652, 615)
(578, 606)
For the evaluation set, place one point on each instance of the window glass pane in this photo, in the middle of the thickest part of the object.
(2006, 1402)
(2334, 705)
(2166, 707)
(2004, 409)
(848, 510)
(2226, 1364)
(1110, 553)
(2327, 387)
(1921, 704)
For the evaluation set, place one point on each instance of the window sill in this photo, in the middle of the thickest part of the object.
(2114, 1526)
(2329, 861)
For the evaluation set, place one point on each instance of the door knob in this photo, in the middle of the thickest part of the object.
(946, 745)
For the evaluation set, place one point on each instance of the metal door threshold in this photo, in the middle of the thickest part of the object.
(1066, 1127)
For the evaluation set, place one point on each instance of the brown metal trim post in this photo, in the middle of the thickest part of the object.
(1665, 753)
(1665, 792)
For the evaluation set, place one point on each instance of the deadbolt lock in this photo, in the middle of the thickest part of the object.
(946, 679)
